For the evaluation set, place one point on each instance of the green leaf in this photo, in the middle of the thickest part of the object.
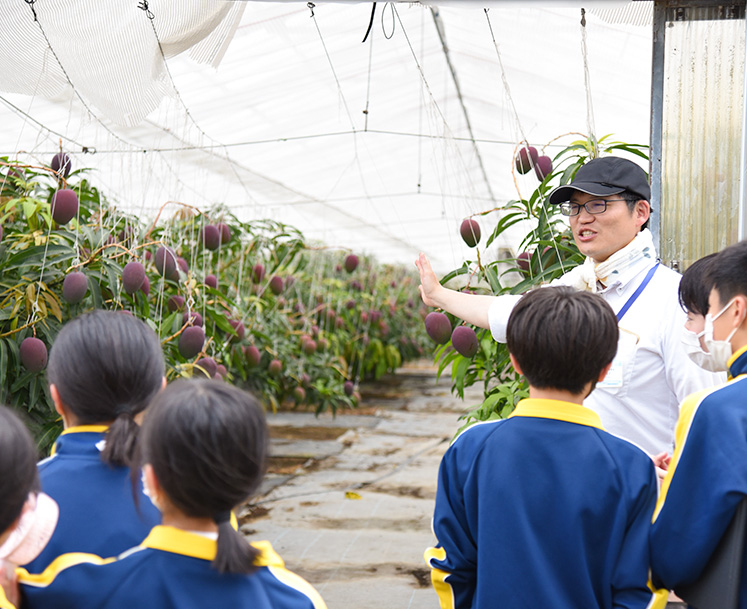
(58, 252)
(450, 356)
(506, 222)
(29, 207)
(463, 270)
(458, 372)
(492, 277)
(3, 362)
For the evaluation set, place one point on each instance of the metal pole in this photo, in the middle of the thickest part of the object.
(742, 217)
(657, 119)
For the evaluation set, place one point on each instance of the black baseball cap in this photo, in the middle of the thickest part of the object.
(606, 176)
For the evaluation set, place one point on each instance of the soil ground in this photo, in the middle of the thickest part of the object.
(348, 500)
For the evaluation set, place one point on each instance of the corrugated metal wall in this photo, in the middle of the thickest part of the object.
(701, 139)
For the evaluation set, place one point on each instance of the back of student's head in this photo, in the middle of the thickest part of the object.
(695, 286)
(562, 338)
(18, 473)
(207, 443)
(728, 273)
(107, 366)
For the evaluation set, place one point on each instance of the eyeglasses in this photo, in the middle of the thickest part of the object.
(593, 206)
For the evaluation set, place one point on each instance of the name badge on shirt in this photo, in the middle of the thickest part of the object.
(614, 377)
(626, 350)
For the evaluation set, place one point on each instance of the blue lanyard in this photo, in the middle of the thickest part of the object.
(637, 293)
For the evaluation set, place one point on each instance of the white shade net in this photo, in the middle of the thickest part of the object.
(277, 109)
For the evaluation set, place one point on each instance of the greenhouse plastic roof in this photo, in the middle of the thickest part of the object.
(279, 110)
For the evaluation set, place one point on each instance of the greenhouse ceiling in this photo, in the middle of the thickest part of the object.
(281, 109)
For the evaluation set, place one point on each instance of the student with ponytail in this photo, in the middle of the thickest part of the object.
(104, 368)
(203, 450)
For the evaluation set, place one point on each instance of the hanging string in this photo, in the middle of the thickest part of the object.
(421, 104)
(542, 208)
(70, 82)
(239, 281)
(26, 118)
(35, 306)
(143, 5)
(331, 65)
(448, 134)
(368, 82)
(504, 79)
(356, 158)
(587, 86)
(423, 78)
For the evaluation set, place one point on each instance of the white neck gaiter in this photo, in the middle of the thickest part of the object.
(589, 273)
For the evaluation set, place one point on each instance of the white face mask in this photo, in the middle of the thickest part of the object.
(691, 344)
(148, 492)
(34, 529)
(720, 350)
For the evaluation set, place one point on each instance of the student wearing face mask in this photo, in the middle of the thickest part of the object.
(707, 477)
(693, 293)
(27, 517)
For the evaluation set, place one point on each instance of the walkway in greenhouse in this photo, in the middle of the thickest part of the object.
(348, 501)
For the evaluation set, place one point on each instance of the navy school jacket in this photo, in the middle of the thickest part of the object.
(98, 514)
(170, 569)
(543, 509)
(706, 481)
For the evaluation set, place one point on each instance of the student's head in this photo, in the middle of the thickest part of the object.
(27, 517)
(105, 367)
(562, 338)
(205, 442)
(694, 290)
(607, 203)
(19, 477)
(726, 321)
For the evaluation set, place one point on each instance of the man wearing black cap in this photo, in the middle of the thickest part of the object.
(607, 205)
(605, 189)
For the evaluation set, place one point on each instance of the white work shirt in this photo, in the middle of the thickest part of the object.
(651, 374)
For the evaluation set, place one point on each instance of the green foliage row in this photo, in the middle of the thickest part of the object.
(365, 323)
(546, 252)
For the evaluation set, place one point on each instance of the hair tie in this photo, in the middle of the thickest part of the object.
(222, 517)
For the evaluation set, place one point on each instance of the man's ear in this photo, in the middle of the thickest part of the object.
(515, 363)
(642, 211)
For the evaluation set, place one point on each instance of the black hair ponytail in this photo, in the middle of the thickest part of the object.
(235, 554)
(121, 440)
(207, 444)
